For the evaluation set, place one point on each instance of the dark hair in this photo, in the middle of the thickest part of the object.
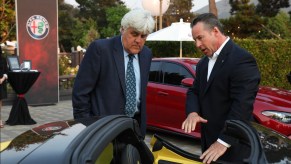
(209, 20)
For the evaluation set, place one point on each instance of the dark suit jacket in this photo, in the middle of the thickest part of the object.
(229, 93)
(3, 64)
(3, 70)
(99, 88)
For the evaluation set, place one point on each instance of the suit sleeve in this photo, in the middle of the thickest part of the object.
(192, 102)
(245, 79)
(85, 82)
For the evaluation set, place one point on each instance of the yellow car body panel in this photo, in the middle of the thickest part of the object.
(4, 145)
(167, 155)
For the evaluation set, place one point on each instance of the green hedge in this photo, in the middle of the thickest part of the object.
(273, 57)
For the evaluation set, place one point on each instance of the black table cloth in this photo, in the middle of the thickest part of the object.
(21, 82)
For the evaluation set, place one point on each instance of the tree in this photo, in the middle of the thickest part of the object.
(96, 10)
(212, 7)
(113, 17)
(255, 21)
(8, 21)
(279, 25)
(235, 6)
(91, 35)
(270, 8)
(245, 22)
(84, 32)
(67, 19)
(74, 30)
(178, 9)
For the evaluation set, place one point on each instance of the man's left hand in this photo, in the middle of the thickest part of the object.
(213, 152)
(1, 80)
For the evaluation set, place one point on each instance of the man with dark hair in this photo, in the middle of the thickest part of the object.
(225, 87)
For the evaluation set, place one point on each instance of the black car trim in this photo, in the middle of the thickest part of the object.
(161, 73)
(164, 64)
(247, 135)
(161, 142)
(167, 162)
(83, 148)
(153, 128)
(234, 128)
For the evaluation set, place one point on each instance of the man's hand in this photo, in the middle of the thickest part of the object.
(213, 152)
(2, 80)
(192, 119)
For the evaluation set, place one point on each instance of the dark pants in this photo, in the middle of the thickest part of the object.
(236, 154)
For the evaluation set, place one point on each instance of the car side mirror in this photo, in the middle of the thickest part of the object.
(187, 82)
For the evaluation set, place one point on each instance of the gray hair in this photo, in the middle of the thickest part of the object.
(139, 19)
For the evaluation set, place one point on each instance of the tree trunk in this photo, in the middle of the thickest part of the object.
(271, 32)
(212, 7)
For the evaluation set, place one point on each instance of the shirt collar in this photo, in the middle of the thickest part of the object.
(217, 52)
(126, 54)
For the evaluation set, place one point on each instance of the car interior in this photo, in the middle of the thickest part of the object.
(120, 151)
(245, 134)
(112, 140)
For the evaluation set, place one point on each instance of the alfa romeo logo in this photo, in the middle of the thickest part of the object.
(52, 128)
(37, 27)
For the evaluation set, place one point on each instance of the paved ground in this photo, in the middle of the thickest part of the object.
(63, 111)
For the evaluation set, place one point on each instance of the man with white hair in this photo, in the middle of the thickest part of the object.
(113, 75)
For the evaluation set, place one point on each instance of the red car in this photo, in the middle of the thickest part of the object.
(169, 81)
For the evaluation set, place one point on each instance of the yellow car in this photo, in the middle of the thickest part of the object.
(117, 140)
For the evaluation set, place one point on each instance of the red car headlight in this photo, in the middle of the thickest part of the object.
(283, 117)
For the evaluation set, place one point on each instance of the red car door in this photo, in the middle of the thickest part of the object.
(166, 96)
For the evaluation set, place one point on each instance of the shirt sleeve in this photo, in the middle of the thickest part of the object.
(5, 75)
(223, 143)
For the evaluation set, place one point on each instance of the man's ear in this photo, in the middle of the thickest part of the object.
(121, 30)
(215, 29)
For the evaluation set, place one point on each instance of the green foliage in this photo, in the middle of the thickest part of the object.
(280, 25)
(113, 17)
(172, 49)
(178, 9)
(263, 21)
(67, 20)
(273, 57)
(74, 31)
(65, 67)
(84, 31)
(91, 36)
(96, 10)
(8, 22)
(270, 8)
(244, 23)
(64, 63)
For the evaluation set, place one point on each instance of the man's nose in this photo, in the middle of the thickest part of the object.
(138, 38)
(198, 44)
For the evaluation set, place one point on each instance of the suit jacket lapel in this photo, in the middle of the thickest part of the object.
(203, 74)
(221, 59)
(119, 61)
